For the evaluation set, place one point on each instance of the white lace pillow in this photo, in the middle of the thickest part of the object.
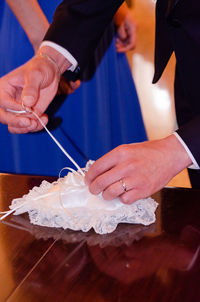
(68, 204)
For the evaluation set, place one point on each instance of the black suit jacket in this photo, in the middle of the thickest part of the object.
(78, 25)
(178, 30)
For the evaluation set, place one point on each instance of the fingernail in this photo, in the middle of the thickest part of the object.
(44, 119)
(28, 100)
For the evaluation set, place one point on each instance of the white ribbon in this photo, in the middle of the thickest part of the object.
(51, 135)
(7, 213)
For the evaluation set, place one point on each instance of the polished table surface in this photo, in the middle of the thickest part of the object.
(138, 263)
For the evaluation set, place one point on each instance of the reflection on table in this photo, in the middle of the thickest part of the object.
(160, 262)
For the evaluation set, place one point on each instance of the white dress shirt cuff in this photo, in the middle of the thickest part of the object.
(63, 51)
(195, 164)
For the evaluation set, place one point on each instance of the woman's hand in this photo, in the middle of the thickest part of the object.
(126, 29)
(66, 87)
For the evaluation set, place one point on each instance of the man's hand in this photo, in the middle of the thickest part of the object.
(144, 168)
(11, 87)
(34, 85)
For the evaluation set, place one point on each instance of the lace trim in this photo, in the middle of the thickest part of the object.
(81, 218)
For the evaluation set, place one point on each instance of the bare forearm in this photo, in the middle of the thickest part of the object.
(121, 14)
(31, 18)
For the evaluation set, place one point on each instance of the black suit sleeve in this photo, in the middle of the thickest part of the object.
(190, 133)
(78, 25)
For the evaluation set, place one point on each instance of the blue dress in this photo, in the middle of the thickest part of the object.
(102, 114)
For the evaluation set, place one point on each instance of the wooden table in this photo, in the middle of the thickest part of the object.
(158, 263)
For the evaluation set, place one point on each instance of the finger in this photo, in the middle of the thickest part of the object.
(34, 126)
(63, 87)
(39, 127)
(122, 34)
(75, 85)
(130, 41)
(100, 166)
(106, 162)
(13, 129)
(121, 41)
(31, 90)
(102, 182)
(124, 46)
(10, 103)
(122, 49)
(133, 195)
(46, 97)
(14, 120)
(116, 189)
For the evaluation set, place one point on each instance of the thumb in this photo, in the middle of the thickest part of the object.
(31, 90)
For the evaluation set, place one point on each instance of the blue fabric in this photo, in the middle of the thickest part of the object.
(102, 114)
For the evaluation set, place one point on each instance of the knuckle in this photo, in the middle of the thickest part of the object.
(88, 177)
(106, 195)
(124, 198)
(11, 129)
(129, 197)
(99, 184)
(33, 73)
(92, 189)
(15, 130)
(109, 193)
(131, 167)
(112, 191)
(97, 168)
(91, 175)
(122, 151)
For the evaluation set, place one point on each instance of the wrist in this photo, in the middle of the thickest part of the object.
(179, 158)
(52, 62)
(35, 44)
(62, 63)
